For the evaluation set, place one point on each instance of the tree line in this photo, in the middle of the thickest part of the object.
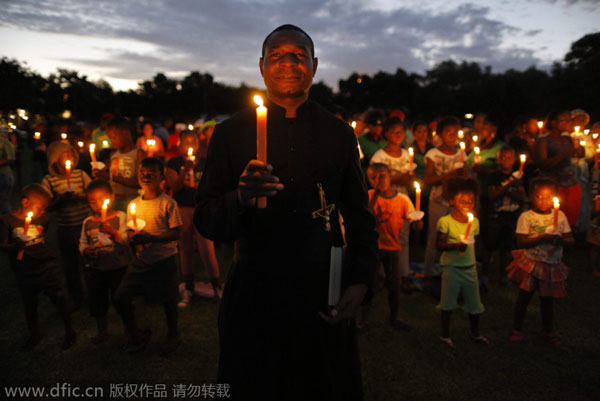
(448, 88)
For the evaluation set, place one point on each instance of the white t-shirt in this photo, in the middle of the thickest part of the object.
(533, 225)
(442, 164)
(398, 165)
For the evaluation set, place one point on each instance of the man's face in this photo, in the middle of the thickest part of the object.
(287, 66)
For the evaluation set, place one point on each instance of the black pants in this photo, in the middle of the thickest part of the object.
(102, 287)
(68, 245)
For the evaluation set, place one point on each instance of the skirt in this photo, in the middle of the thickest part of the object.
(549, 279)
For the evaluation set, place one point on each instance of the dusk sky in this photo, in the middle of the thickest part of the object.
(128, 41)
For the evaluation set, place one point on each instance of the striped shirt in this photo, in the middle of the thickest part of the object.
(72, 212)
(159, 216)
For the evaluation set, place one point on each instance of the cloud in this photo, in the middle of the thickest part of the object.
(224, 37)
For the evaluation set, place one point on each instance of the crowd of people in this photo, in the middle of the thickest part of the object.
(520, 197)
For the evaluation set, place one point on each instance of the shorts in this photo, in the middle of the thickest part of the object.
(457, 280)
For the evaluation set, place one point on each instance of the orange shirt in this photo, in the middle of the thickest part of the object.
(390, 214)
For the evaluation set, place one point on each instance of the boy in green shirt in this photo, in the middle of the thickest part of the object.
(456, 234)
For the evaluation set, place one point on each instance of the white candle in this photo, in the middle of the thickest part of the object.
(93, 152)
(462, 152)
(261, 139)
(556, 208)
(104, 209)
(68, 168)
(523, 160)
(417, 196)
(540, 125)
(132, 213)
(150, 145)
(105, 143)
(411, 153)
(25, 229)
(469, 224)
(477, 152)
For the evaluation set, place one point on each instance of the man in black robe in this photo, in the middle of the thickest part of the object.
(276, 342)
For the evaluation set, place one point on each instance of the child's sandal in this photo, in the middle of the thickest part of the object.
(551, 339)
(447, 341)
(516, 337)
(480, 340)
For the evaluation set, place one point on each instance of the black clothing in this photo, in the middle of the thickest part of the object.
(274, 345)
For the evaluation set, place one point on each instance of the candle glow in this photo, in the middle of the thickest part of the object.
(105, 144)
(261, 140)
(37, 135)
(556, 207)
(462, 151)
(80, 144)
(132, 213)
(477, 154)
(25, 229)
(93, 152)
(523, 158)
(104, 209)
(418, 196)
(63, 136)
(411, 154)
(469, 224)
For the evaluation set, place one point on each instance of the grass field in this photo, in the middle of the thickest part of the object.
(396, 366)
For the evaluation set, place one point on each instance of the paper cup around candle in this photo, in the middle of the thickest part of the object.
(98, 165)
(467, 241)
(517, 175)
(416, 215)
(412, 167)
(140, 224)
(458, 165)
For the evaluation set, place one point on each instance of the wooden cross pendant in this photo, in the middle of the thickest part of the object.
(325, 211)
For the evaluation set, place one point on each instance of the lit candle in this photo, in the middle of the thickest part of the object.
(105, 143)
(132, 213)
(595, 136)
(540, 125)
(353, 124)
(68, 168)
(523, 160)
(261, 140)
(80, 144)
(25, 229)
(93, 152)
(475, 138)
(193, 159)
(586, 131)
(37, 135)
(477, 152)
(462, 152)
(461, 134)
(190, 127)
(150, 145)
(104, 209)
(582, 143)
(411, 153)
(577, 128)
(469, 224)
(417, 196)
(63, 137)
(556, 207)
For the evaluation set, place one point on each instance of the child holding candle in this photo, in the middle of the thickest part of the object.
(391, 209)
(124, 164)
(156, 148)
(507, 198)
(537, 264)
(71, 208)
(455, 238)
(442, 163)
(37, 270)
(178, 177)
(153, 271)
(103, 243)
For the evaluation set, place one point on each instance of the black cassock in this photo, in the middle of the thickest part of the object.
(273, 343)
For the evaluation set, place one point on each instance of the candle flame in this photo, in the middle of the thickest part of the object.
(106, 202)
(595, 135)
(68, 164)
(258, 100)
(582, 143)
(461, 134)
(411, 151)
(470, 216)
(556, 202)
(92, 147)
(63, 135)
(417, 186)
(476, 149)
(132, 208)
(80, 144)
(353, 124)
(190, 127)
(475, 138)
(577, 128)
(105, 144)
(150, 142)
(462, 146)
(37, 135)
(523, 158)
(540, 124)
(29, 215)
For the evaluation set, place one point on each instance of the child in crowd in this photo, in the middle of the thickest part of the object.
(156, 148)
(34, 262)
(66, 187)
(398, 161)
(103, 242)
(458, 258)
(541, 233)
(183, 174)
(124, 164)
(442, 163)
(391, 210)
(153, 271)
(506, 200)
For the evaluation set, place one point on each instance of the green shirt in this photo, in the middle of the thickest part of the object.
(454, 229)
